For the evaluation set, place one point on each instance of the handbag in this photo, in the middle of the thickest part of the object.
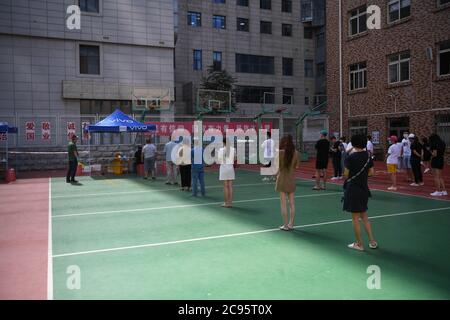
(347, 181)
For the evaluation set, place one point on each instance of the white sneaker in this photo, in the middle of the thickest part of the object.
(334, 178)
(341, 177)
(392, 188)
(414, 184)
(421, 184)
(426, 170)
(265, 179)
(444, 193)
(355, 246)
(436, 194)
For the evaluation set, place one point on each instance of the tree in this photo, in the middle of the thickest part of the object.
(219, 80)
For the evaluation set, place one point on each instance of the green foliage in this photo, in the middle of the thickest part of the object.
(220, 80)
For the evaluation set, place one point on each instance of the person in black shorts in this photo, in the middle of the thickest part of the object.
(416, 157)
(437, 149)
(323, 151)
(358, 167)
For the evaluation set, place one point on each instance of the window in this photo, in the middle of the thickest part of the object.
(286, 5)
(197, 59)
(266, 27)
(246, 63)
(308, 33)
(306, 11)
(444, 59)
(358, 127)
(194, 19)
(249, 94)
(399, 9)
(265, 4)
(320, 69)
(443, 128)
(309, 72)
(442, 2)
(357, 22)
(288, 67)
(320, 40)
(219, 1)
(399, 65)
(242, 24)
(288, 95)
(219, 22)
(217, 61)
(243, 3)
(89, 59)
(358, 76)
(306, 100)
(89, 6)
(286, 30)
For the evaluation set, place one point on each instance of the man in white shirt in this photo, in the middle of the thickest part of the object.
(171, 167)
(269, 153)
(406, 160)
(149, 158)
(369, 146)
(393, 155)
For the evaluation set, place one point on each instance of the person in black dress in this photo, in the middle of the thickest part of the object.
(336, 155)
(437, 148)
(358, 167)
(426, 154)
(323, 151)
(416, 157)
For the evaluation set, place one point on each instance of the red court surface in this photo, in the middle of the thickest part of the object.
(24, 225)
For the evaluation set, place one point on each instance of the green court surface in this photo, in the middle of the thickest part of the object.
(137, 239)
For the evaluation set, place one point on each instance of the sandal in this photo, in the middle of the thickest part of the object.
(317, 188)
(284, 228)
(355, 246)
(373, 244)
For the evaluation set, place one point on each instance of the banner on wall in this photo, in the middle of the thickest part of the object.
(30, 131)
(85, 132)
(376, 137)
(70, 130)
(166, 128)
(3, 136)
(45, 130)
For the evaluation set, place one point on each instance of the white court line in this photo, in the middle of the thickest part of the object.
(50, 245)
(148, 245)
(155, 190)
(183, 206)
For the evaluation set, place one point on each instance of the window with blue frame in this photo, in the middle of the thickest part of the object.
(217, 61)
(197, 60)
(218, 1)
(194, 19)
(89, 6)
(219, 22)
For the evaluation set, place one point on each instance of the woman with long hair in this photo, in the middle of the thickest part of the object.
(227, 155)
(285, 185)
(437, 149)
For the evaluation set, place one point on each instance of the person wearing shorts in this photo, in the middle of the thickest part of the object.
(323, 152)
(149, 157)
(437, 148)
(393, 155)
(226, 157)
(358, 167)
(269, 153)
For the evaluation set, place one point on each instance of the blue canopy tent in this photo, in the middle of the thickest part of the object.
(118, 122)
(6, 129)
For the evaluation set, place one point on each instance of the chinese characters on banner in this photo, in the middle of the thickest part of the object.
(85, 133)
(70, 130)
(166, 128)
(45, 131)
(30, 131)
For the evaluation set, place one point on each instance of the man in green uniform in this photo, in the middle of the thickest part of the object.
(73, 160)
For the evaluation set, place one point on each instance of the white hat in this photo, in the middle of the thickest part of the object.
(411, 135)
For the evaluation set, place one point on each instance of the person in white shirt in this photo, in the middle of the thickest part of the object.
(344, 152)
(149, 158)
(226, 158)
(269, 153)
(171, 167)
(349, 148)
(369, 146)
(406, 160)
(393, 155)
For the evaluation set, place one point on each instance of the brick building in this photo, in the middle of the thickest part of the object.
(394, 79)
